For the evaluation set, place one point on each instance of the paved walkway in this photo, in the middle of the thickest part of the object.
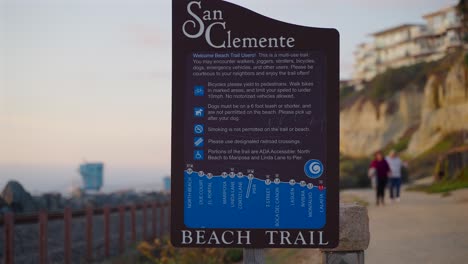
(421, 228)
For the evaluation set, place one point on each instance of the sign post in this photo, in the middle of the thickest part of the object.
(255, 131)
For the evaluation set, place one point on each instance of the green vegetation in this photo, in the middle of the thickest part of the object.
(233, 255)
(445, 185)
(162, 252)
(401, 144)
(462, 10)
(385, 85)
(435, 162)
(346, 91)
(424, 164)
(353, 172)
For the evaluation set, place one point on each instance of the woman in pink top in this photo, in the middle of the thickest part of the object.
(382, 171)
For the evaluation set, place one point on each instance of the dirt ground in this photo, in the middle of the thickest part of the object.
(422, 228)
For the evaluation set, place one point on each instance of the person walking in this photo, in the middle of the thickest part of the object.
(382, 170)
(396, 165)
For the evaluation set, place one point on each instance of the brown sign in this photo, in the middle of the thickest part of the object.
(255, 132)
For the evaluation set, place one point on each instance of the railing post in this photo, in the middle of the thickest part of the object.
(107, 231)
(159, 228)
(145, 223)
(67, 218)
(163, 218)
(9, 247)
(254, 256)
(133, 213)
(89, 233)
(153, 209)
(121, 229)
(354, 236)
(168, 220)
(43, 219)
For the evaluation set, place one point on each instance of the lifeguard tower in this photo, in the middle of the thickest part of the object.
(92, 174)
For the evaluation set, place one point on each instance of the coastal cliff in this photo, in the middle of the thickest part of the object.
(420, 112)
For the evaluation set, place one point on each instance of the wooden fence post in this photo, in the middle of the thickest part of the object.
(145, 222)
(254, 256)
(9, 243)
(133, 218)
(121, 229)
(89, 233)
(43, 240)
(67, 218)
(162, 219)
(168, 217)
(107, 231)
(354, 236)
(153, 220)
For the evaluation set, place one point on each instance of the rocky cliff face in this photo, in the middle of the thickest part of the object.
(366, 127)
(442, 108)
(17, 198)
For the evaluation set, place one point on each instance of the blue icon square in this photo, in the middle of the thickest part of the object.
(198, 111)
(199, 90)
(199, 129)
(198, 142)
(198, 155)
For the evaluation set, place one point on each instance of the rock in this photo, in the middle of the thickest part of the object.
(444, 111)
(354, 228)
(366, 127)
(18, 199)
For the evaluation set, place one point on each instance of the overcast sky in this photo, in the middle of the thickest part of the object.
(90, 79)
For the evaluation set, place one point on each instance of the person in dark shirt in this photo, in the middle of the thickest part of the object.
(382, 170)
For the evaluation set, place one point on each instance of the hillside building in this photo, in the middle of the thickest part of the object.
(442, 34)
(365, 67)
(408, 44)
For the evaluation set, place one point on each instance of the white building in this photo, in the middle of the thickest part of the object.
(365, 63)
(395, 47)
(443, 33)
(408, 44)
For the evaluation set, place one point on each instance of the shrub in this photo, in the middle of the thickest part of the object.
(353, 173)
(346, 91)
(233, 255)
